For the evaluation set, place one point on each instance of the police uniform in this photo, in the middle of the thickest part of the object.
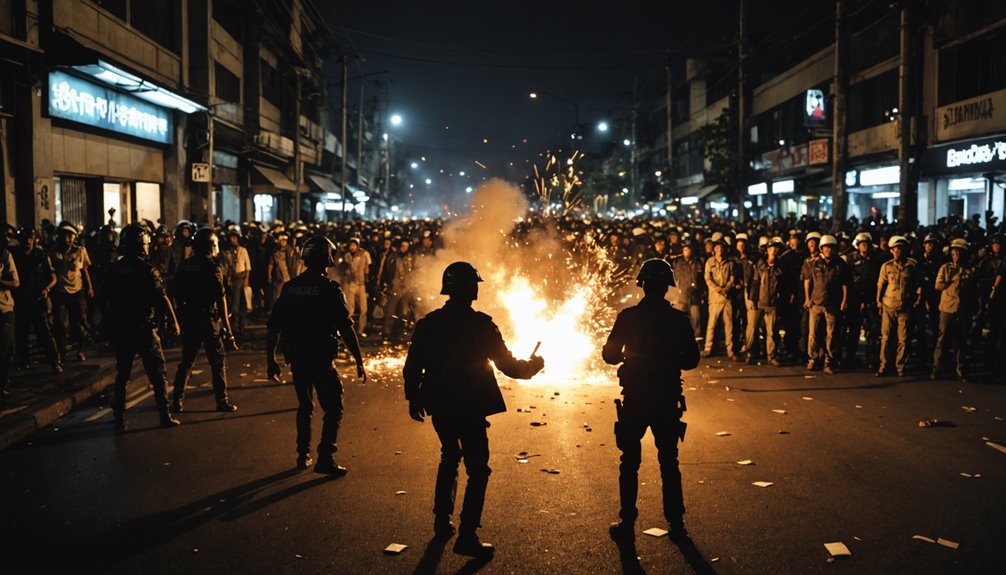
(828, 282)
(956, 284)
(131, 297)
(447, 372)
(688, 276)
(8, 272)
(199, 287)
(310, 314)
(862, 307)
(654, 343)
(33, 309)
(898, 291)
(766, 291)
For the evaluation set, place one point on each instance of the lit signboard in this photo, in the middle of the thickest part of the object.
(77, 100)
(814, 112)
(975, 156)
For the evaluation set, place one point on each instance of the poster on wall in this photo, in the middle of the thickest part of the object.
(815, 115)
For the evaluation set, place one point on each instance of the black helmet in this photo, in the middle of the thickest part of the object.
(459, 276)
(655, 270)
(26, 232)
(205, 242)
(318, 251)
(134, 240)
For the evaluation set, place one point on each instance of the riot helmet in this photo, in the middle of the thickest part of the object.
(206, 243)
(134, 240)
(461, 278)
(655, 271)
(318, 251)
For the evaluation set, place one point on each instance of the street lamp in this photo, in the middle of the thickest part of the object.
(396, 120)
(602, 126)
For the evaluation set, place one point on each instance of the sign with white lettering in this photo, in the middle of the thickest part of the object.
(981, 115)
(77, 100)
(976, 156)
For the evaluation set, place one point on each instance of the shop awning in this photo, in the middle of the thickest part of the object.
(326, 184)
(705, 191)
(275, 178)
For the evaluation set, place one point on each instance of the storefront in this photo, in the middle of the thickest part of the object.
(271, 192)
(109, 148)
(969, 177)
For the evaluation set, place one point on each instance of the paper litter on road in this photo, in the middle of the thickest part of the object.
(995, 445)
(810, 377)
(714, 559)
(731, 399)
(395, 548)
(551, 471)
(763, 484)
(260, 380)
(197, 372)
(722, 433)
(714, 381)
(783, 432)
(969, 409)
(923, 538)
(947, 543)
(805, 398)
(838, 549)
(859, 407)
(971, 476)
(655, 532)
(538, 423)
(779, 411)
(745, 462)
(400, 493)
(936, 423)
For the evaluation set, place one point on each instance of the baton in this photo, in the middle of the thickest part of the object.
(536, 349)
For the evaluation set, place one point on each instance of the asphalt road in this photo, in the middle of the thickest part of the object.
(220, 493)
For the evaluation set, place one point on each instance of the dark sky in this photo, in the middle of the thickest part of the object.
(459, 73)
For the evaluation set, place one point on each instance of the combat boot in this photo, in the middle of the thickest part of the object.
(304, 461)
(168, 421)
(469, 545)
(226, 406)
(329, 467)
(620, 531)
(443, 528)
(177, 405)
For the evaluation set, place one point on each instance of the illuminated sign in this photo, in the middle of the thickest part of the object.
(77, 100)
(814, 109)
(984, 155)
(975, 154)
(758, 189)
(783, 187)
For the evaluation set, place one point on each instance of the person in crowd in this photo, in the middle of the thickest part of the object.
(826, 292)
(767, 293)
(237, 269)
(397, 274)
(689, 274)
(355, 282)
(956, 284)
(720, 279)
(9, 282)
(31, 298)
(862, 315)
(73, 283)
(899, 291)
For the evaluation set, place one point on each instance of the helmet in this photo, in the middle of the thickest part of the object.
(897, 241)
(813, 236)
(959, 243)
(763, 241)
(458, 276)
(134, 240)
(205, 242)
(931, 238)
(636, 232)
(318, 251)
(741, 236)
(997, 239)
(25, 233)
(863, 237)
(777, 241)
(67, 228)
(716, 237)
(828, 240)
(655, 270)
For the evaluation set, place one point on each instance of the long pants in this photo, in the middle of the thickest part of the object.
(397, 307)
(462, 437)
(310, 377)
(953, 336)
(6, 347)
(34, 314)
(68, 308)
(146, 344)
(755, 319)
(236, 303)
(195, 336)
(694, 312)
(720, 310)
(995, 345)
(789, 316)
(749, 345)
(892, 319)
(815, 349)
(663, 421)
(356, 299)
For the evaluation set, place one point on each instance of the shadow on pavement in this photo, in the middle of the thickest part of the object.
(473, 566)
(694, 557)
(431, 556)
(629, 558)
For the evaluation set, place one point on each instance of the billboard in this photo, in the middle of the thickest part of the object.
(77, 100)
(815, 113)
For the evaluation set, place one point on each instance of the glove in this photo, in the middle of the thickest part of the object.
(537, 363)
(416, 411)
(229, 340)
(274, 371)
(360, 372)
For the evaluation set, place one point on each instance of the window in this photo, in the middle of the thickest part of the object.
(973, 68)
(228, 86)
(272, 84)
(872, 101)
(229, 18)
(12, 18)
(158, 19)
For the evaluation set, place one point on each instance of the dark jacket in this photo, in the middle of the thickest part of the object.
(447, 369)
(130, 297)
(654, 342)
(310, 315)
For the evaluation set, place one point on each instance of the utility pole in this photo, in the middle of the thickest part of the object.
(742, 216)
(210, 203)
(670, 122)
(908, 206)
(839, 140)
(633, 155)
(343, 111)
(296, 145)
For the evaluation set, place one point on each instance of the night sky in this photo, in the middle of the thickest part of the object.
(461, 73)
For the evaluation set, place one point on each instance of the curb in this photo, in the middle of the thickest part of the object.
(18, 426)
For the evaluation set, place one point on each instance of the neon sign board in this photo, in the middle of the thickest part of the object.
(77, 100)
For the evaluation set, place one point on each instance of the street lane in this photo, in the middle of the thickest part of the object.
(220, 492)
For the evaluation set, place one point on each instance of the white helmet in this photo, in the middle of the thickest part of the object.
(813, 236)
(863, 237)
(897, 241)
(828, 240)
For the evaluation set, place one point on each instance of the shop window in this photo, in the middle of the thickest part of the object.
(228, 86)
(71, 200)
(265, 207)
(157, 19)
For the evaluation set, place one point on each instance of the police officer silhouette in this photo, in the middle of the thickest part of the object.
(132, 300)
(654, 343)
(448, 375)
(311, 315)
(201, 294)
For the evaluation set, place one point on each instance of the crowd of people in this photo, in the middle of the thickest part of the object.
(790, 291)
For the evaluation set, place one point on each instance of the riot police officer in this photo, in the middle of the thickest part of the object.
(654, 343)
(899, 291)
(310, 313)
(131, 298)
(447, 374)
(202, 297)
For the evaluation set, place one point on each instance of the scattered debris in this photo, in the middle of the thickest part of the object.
(722, 433)
(809, 376)
(936, 423)
(947, 543)
(805, 398)
(400, 493)
(763, 484)
(859, 407)
(197, 372)
(714, 559)
(394, 549)
(969, 409)
(551, 471)
(714, 381)
(838, 549)
(856, 538)
(782, 432)
(655, 532)
(538, 423)
(995, 445)
(398, 453)
(971, 476)
(298, 556)
(731, 399)
(745, 462)
(923, 538)
(779, 411)
(523, 410)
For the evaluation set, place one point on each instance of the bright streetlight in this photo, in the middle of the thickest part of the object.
(413, 165)
(626, 142)
(396, 120)
(428, 181)
(533, 95)
(602, 126)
